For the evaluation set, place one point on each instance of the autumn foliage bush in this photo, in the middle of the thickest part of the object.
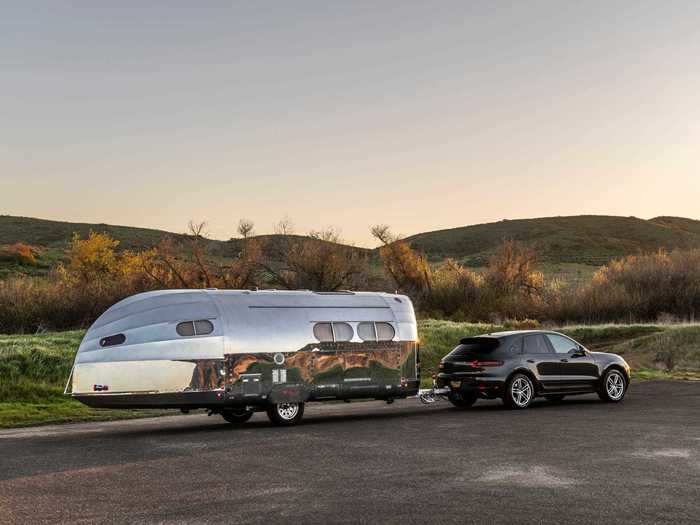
(19, 253)
(509, 291)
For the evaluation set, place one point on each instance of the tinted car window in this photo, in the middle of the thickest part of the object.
(535, 344)
(473, 347)
(561, 344)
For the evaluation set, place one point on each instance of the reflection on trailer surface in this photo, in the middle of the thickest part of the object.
(236, 351)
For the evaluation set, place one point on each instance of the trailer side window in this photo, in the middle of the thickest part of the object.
(366, 331)
(385, 332)
(190, 328)
(329, 332)
(203, 327)
(369, 331)
(323, 332)
(342, 331)
(112, 340)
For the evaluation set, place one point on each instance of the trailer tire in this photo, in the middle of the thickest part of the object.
(236, 417)
(285, 414)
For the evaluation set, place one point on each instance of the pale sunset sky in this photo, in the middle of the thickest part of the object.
(421, 115)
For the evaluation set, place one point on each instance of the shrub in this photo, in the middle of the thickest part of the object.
(19, 253)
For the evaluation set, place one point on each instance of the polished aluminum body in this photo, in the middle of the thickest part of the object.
(155, 359)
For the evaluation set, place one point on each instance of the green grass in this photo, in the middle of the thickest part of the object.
(33, 374)
(580, 240)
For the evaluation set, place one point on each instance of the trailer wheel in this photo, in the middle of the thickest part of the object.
(285, 414)
(237, 417)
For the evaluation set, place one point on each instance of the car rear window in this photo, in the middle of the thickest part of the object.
(473, 347)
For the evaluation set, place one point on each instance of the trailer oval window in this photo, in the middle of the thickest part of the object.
(385, 332)
(112, 340)
(342, 331)
(330, 332)
(203, 327)
(190, 328)
(369, 331)
(323, 332)
(366, 331)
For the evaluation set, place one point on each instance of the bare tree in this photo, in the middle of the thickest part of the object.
(317, 262)
(327, 235)
(285, 226)
(245, 228)
(383, 234)
(198, 244)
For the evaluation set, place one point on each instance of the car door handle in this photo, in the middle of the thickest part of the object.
(564, 361)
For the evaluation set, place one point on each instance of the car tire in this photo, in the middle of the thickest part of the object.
(461, 400)
(519, 393)
(237, 417)
(555, 398)
(285, 414)
(613, 386)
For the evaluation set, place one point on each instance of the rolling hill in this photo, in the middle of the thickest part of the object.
(586, 239)
(583, 239)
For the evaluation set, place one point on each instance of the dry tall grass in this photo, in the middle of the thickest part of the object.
(662, 286)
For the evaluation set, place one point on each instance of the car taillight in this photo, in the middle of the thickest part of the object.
(479, 364)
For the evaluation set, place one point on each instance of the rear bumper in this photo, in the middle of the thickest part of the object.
(468, 383)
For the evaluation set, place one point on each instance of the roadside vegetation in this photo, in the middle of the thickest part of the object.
(95, 273)
(34, 368)
(33, 375)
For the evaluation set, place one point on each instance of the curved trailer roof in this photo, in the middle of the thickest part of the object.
(244, 321)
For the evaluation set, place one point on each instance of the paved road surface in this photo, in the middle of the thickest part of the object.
(582, 461)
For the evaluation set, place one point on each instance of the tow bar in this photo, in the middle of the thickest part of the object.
(428, 396)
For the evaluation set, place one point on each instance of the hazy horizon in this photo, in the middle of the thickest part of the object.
(423, 117)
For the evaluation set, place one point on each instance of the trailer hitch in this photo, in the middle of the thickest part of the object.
(428, 396)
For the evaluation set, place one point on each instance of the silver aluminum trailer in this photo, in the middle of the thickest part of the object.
(234, 352)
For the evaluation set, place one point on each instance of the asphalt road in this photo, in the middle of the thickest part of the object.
(582, 461)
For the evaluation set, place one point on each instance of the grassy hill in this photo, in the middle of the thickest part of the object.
(51, 238)
(565, 244)
(584, 239)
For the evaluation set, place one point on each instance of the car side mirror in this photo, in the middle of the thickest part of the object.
(579, 351)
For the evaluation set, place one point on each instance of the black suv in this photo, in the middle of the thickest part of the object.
(520, 365)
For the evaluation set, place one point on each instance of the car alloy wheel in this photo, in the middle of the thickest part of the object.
(615, 385)
(520, 392)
